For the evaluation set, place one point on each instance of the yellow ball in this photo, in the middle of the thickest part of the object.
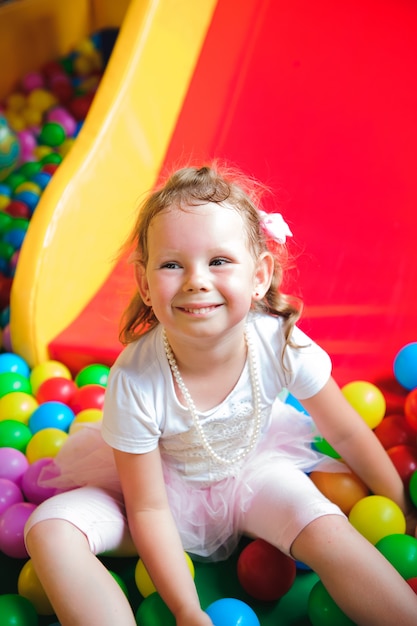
(85, 417)
(45, 370)
(368, 401)
(46, 443)
(29, 586)
(144, 582)
(376, 517)
(18, 406)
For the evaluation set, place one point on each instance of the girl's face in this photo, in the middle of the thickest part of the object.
(201, 277)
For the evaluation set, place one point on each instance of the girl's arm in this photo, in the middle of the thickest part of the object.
(155, 535)
(345, 430)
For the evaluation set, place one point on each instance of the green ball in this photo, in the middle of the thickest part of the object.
(11, 381)
(95, 374)
(401, 551)
(14, 434)
(323, 610)
(412, 486)
(120, 582)
(15, 610)
(324, 447)
(153, 611)
(52, 134)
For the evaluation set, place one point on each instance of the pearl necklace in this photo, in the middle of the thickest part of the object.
(256, 398)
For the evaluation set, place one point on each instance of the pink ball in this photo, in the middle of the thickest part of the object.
(9, 494)
(32, 80)
(61, 116)
(12, 525)
(34, 492)
(13, 464)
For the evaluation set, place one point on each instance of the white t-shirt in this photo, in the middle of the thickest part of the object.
(142, 410)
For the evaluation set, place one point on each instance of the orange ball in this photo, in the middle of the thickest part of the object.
(342, 488)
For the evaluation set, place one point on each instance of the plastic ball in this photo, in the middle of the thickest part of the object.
(232, 612)
(51, 414)
(368, 401)
(144, 582)
(17, 406)
(31, 489)
(323, 610)
(405, 366)
(85, 417)
(9, 149)
(12, 524)
(61, 116)
(413, 583)
(265, 572)
(401, 551)
(342, 488)
(13, 464)
(324, 447)
(120, 582)
(95, 374)
(153, 611)
(45, 370)
(29, 587)
(17, 611)
(10, 362)
(376, 517)
(14, 434)
(52, 134)
(57, 389)
(412, 487)
(12, 381)
(45, 443)
(394, 430)
(10, 494)
(405, 460)
(88, 397)
(410, 409)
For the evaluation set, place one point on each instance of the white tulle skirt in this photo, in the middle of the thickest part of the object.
(207, 517)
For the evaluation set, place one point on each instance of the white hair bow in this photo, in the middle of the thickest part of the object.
(274, 226)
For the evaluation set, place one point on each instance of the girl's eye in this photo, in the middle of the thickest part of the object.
(219, 261)
(170, 266)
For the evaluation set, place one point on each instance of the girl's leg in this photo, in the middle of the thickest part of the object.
(62, 536)
(357, 576)
(289, 512)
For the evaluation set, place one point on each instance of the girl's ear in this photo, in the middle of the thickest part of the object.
(142, 283)
(263, 275)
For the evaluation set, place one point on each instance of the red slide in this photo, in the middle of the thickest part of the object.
(319, 101)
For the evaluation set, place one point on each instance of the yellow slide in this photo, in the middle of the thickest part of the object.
(87, 209)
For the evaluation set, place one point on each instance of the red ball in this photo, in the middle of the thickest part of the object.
(405, 461)
(413, 583)
(88, 397)
(394, 430)
(410, 409)
(265, 572)
(56, 389)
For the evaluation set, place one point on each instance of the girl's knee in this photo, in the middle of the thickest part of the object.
(51, 534)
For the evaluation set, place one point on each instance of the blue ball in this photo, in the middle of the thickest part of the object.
(51, 414)
(405, 366)
(10, 362)
(232, 612)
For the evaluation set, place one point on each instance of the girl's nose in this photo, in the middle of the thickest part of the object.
(196, 280)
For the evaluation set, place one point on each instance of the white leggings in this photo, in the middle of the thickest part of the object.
(278, 512)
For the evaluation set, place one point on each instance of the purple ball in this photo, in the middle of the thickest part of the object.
(9, 494)
(32, 490)
(12, 525)
(13, 464)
